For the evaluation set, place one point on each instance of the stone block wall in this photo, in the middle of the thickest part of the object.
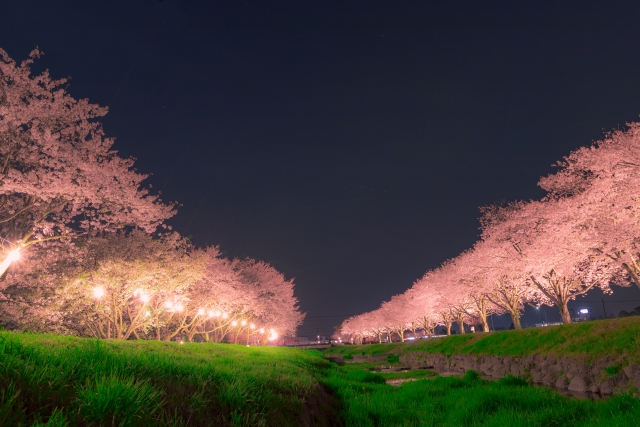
(552, 371)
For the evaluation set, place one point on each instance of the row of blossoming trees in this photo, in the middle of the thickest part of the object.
(80, 242)
(583, 234)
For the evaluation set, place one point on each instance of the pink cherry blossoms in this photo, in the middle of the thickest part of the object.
(91, 260)
(583, 234)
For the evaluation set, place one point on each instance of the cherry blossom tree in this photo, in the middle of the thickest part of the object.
(127, 281)
(602, 183)
(60, 177)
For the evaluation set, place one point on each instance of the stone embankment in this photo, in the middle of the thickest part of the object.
(598, 376)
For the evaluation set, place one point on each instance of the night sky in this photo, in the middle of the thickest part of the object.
(349, 144)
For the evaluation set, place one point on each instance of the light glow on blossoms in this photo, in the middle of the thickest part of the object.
(98, 292)
(234, 323)
(243, 323)
(201, 312)
(144, 298)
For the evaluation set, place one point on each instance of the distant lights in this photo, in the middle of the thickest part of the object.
(234, 323)
(243, 323)
(201, 312)
(252, 326)
(584, 311)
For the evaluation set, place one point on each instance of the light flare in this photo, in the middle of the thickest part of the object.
(14, 255)
(98, 292)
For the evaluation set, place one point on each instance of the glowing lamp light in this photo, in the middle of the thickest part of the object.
(14, 255)
(98, 292)
(252, 326)
(261, 330)
(273, 336)
(234, 323)
(210, 313)
(243, 323)
(148, 313)
(217, 313)
(168, 304)
(144, 298)
(179, 307)
(584, 311)
(225, 315)
(201, 312)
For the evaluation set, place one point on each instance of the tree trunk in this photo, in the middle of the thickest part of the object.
(379, 338)
(485, 325)
(448, 325)
(515, 318)
(564, 313)
(461, 326)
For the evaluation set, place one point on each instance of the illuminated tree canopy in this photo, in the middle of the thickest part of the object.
(84, 232)
(582, 235)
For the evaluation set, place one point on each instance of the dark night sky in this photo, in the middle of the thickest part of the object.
(347, 143)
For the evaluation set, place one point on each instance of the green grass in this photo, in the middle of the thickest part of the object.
(57, 381)
(468, 401)
(64, 381)
(616, 338)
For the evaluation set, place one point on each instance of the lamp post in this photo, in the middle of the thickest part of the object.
(541, 319)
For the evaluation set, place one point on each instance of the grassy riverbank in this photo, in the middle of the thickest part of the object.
(64, 381)
(615, 338)
(469, 402)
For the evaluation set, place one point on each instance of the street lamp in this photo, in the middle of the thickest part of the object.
(541, 319)
(11, 256)
(98, 292)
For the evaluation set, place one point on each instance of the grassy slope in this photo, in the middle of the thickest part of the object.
(616, 338)
(69, 381)
(469, 402)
